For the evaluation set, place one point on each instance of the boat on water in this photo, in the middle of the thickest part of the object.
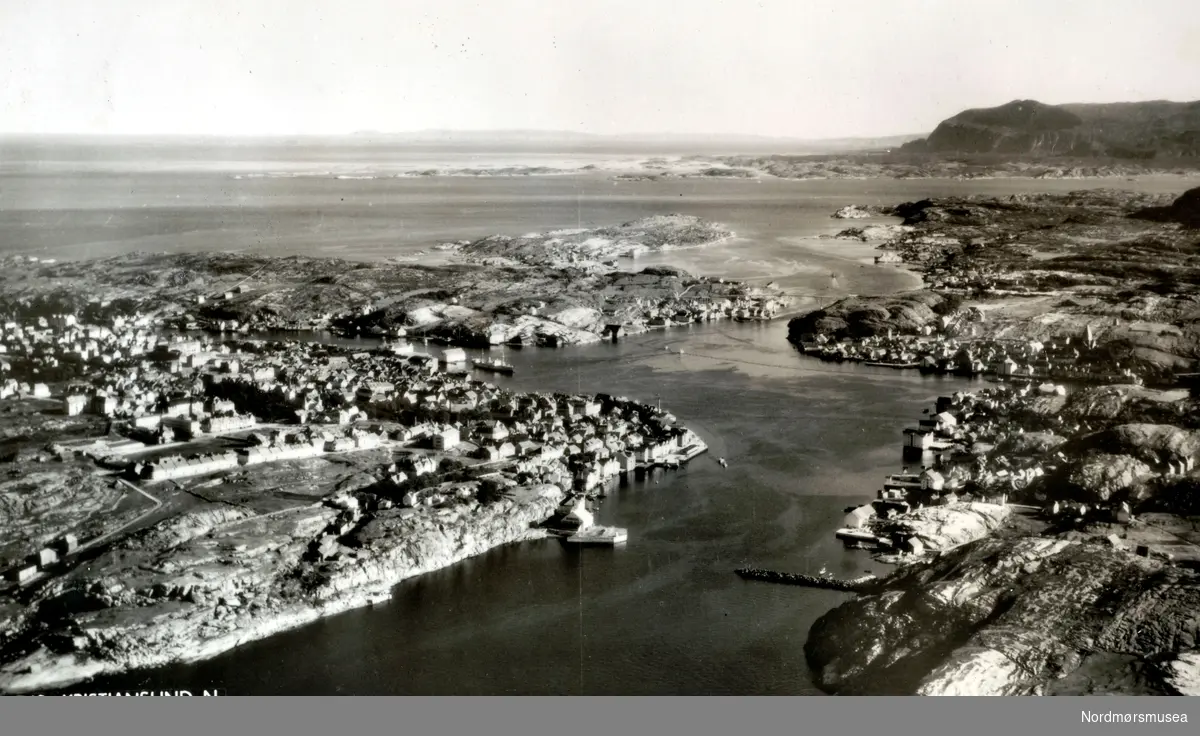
(495, 365)
(856, 537)
(599, 535)
(724, 464)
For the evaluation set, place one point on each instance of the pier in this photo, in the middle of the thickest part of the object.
(860, 584)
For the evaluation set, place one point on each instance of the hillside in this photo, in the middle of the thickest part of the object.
(1125, 130)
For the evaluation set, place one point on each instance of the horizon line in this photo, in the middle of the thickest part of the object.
(562, 133)
(450, 132)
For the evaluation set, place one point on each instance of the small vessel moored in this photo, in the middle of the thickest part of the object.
(856, 537)
(494, 365)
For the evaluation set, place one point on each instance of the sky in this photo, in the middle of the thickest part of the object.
(789, 68)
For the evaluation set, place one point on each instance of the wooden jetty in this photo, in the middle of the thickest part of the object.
(854, 585)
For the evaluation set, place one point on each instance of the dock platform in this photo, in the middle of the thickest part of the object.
(609, 536)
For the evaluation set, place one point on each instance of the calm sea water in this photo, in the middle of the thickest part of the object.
(664, 614)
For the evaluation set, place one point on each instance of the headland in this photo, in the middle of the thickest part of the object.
(1047, 544)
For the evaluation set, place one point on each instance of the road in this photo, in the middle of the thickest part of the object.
(104, 538)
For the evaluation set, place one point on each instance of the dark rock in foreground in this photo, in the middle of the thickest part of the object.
(1017, 617)
(1185, 210)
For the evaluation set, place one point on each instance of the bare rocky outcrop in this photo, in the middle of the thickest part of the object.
(1155, 444)
(854, 212)
(1185, 210)
(865, 316)
(945, 527)
(1126, 404)
(1029, 443)
(38, 506)
(1103, 477)
(176, 530)
(195, 587)
(1014, 617)
(870, 233)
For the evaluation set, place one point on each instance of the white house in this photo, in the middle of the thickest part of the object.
(919, 438)
(76, 403)
(945, 421)
(579, 517)
(859, 517)
(446, 439)
(932, 480)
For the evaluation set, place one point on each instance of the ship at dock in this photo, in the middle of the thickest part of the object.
(494, 365)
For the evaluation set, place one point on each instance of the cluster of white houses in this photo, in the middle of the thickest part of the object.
(668, 312)
(934, 351)
(160, 390)
(188, 387)
(279, 446)
(43, 559)
(60, 340)
(448, 409)
(950, 473)
(943, 479)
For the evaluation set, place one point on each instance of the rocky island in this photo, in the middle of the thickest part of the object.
(1108, 268)
(557, 288)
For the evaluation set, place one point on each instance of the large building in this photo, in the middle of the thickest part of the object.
(186, 427)
(220, 425)
(173, 467)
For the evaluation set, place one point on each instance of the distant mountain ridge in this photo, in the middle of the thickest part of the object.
(1128, 130)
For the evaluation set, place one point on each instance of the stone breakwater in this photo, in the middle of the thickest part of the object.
(859, 584)
(199, 589)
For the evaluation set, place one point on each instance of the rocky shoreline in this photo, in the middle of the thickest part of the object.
(203, 591)
(810, 167)
(246, 566)
(561, 287)
(1094, 588)
(1024, 616)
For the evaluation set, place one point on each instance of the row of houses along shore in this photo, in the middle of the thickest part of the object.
(293, 400)
(953, 459)
(949, 347)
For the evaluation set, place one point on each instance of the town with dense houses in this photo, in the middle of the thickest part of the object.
(950, 346)
(975, 448)
(181, 406)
